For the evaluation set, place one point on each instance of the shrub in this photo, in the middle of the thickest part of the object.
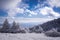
(52, 34)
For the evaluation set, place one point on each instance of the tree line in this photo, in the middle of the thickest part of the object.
(14, 28)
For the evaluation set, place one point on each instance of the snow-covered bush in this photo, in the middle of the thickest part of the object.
(52, 33)
(36, 29)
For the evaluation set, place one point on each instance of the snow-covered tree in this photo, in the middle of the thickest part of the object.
(6, 26)
(36, 29)
(15, 27)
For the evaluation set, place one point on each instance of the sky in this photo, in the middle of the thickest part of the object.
(29, 10)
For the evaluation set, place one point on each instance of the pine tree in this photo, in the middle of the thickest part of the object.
(5, 27)
(18, 27)
(15, 27)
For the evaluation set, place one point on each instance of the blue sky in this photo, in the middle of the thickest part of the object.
(13, 9)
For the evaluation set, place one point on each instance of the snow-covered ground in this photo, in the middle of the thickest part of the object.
(26, 36)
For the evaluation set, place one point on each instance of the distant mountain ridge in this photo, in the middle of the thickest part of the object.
(51, 24)
(54, 24)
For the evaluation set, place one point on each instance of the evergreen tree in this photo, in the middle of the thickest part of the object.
(5, 27)
(18, 27)
(15, 27)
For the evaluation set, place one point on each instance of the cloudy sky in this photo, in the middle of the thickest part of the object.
(29, 10)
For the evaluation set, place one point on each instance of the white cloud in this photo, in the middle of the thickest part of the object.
(9, 4)
(30, 15)
(44, 11)
(13, 7)
(31, 12)
(19, 10)
(13, 12)
(49, 11)
(54, 3)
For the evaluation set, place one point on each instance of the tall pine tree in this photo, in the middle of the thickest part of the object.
(15, 27)
(6, 26)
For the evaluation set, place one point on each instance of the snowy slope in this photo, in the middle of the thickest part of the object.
(27, 36)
